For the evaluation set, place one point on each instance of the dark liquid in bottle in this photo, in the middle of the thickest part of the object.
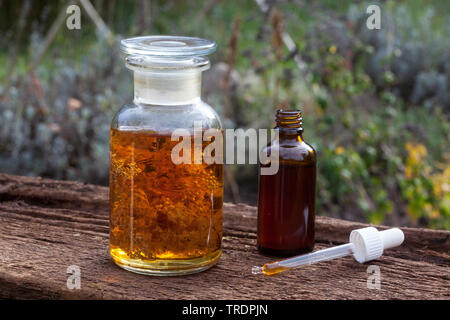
(286, 210)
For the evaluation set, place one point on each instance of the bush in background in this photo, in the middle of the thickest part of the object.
(375, 104)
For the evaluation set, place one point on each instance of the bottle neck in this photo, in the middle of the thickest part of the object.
(289, 124)
(167, 88)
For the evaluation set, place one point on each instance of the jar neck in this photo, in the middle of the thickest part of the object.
(289, 124)
(167, 88)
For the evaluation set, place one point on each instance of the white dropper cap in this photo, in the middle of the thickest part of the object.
(369, 243)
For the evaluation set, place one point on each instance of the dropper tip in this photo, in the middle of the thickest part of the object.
(257, 270)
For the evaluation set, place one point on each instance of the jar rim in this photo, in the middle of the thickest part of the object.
(143, 63)
(166, 53)
(167, 46)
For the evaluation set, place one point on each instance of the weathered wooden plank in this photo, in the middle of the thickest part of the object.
(47, 225)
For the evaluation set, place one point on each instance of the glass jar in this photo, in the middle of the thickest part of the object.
(165, 218)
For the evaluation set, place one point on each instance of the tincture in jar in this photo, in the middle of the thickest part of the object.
(286, 199)
(165, 216)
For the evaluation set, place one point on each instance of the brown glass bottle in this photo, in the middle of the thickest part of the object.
(286, 205)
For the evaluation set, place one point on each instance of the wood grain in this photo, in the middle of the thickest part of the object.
(48, 225)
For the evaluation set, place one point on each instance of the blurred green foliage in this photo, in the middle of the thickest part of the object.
(376, 104)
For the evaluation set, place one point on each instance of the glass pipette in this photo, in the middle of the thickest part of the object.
(365, 244)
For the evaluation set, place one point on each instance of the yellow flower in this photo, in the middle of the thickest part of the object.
(416, 152)
(434, 214)
(441, 183)
(408, 172)
(332, 49)
(339, 150)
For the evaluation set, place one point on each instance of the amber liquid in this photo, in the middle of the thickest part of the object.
(164, 218)
(286, 210)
